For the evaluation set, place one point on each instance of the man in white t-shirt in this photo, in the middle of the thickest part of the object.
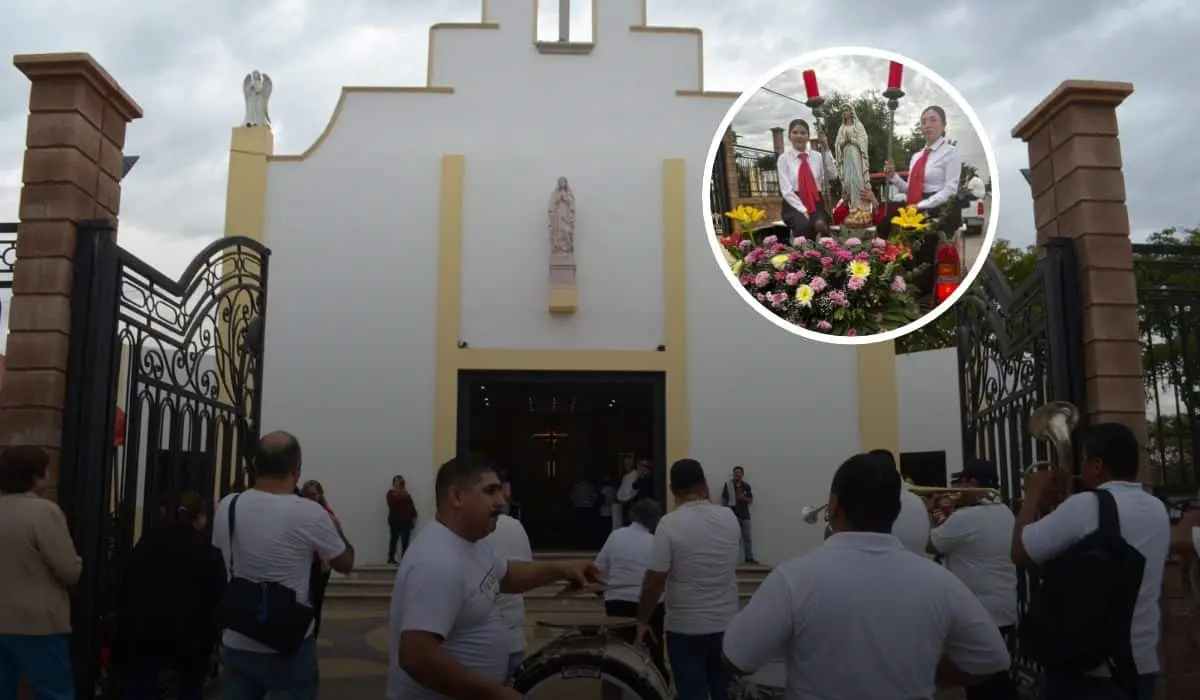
(695, 560)
(975, 543)
(912, 525)
(276, 536)
(1111, 457)
(861, 618)
(448, 639)
(510, 542)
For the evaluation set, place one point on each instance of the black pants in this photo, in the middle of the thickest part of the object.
(927, 255)
(401, 531)
(1000, 686)
(804, 224)
(624, 608)
(318, 581)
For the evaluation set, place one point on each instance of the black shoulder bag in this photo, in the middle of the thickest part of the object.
(266, 612)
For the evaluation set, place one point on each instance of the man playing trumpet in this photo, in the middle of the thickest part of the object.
(975, 544)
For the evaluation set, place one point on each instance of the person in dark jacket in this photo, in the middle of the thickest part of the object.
(320, 573)
(166, 612)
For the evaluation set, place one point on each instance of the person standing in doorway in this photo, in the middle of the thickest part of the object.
(39, 566)
(321, 572)
(694, 561)
(738, 496)
(625, 492)
(402, 516)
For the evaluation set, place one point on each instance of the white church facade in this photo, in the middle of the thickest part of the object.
(412, 316)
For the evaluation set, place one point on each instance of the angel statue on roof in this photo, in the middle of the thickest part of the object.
(854, 169)
(257, 89)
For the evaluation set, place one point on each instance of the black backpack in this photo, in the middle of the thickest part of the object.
(1081, 615)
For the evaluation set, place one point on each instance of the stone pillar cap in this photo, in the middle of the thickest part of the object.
(1091, 92)
(36, 66)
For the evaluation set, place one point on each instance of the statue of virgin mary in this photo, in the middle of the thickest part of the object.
(851, 147)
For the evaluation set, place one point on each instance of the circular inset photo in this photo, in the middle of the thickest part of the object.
(853, 196)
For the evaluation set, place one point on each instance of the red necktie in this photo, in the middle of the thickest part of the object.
(916, 179)
(806, 185)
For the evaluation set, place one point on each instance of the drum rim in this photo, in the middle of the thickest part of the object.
(543, 667)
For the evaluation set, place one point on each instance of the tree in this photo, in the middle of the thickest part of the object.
(1016, 264)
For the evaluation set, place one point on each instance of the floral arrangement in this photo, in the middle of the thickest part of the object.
(843, 287)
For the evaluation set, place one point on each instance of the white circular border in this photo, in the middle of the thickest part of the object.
(988, 238)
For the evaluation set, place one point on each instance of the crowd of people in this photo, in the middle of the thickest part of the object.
(894, 604)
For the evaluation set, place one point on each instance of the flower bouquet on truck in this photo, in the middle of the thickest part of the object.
(856, 286)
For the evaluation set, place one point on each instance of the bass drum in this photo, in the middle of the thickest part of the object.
(592, 657)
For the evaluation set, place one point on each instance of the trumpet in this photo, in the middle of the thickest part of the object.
(811, 514)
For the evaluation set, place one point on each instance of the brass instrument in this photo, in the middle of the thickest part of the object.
(1055, 423)
(811, 514)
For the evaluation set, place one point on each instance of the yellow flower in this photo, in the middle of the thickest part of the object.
(779, 261)
(737, 268)
(860, 269)
(910, 218)
(804, 295)
(746, 216)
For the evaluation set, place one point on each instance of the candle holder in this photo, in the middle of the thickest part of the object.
(816, 104)
(892, 95)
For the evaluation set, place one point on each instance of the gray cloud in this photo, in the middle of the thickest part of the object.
(854, 76)
(185, 68)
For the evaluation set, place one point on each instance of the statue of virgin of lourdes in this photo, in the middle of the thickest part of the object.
(562, 219)
(851, 147)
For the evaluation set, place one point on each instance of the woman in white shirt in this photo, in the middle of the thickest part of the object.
(802, 172)
(624, 560)
(934, 173)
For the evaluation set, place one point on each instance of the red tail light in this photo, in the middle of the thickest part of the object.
(979, 209)
(949, 270)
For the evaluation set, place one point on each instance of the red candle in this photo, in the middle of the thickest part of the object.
(895, 75)
(810, 84)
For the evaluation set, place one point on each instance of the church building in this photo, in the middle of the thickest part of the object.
(511, 261)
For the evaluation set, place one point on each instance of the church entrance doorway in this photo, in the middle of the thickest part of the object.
(564, 440)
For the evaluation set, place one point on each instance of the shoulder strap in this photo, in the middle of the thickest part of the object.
(232, 526)
(1109, 520)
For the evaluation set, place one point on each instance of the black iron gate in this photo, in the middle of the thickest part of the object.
(718, 192)
(1019, 349)
(164, 396)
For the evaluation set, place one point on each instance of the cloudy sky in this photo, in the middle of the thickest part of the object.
(853, 75)
(185, 68)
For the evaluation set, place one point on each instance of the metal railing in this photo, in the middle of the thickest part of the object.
(756, 174)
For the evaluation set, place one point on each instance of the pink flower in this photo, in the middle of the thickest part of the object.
(793, 256)
(828, 243)
(844, 255)
(761, 297)
(818, 284)
(770, 240)
(898, 284)
(852, 242)
(878, 243)
(863, 256)
(746, 279)
(824, 326)
(800, 242)
(826, 261)
(855, 283)
(754, 256)
(811, 253)
(745, 245)
(851, 333)
(762, 279)
(838, 298)
(793, 278)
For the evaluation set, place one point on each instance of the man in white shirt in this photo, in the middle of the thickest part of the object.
(510, 542)
(448, 639)
(275, 537)
(976, 545)
(1111, 456)
(1185, 536)
(803, 209)
(860, 618)
(695, 560)
(912, 525)
(623, 561)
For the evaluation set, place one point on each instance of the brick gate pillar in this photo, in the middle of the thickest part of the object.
(72, 172)
(1079, 193)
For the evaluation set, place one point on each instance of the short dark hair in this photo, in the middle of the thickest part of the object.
(1115, 446)
(190, 506)
(867, 488)
(460, 472)
(686, 475)
(885, 455)
(799, 122)
(740, 468)
(646, 513)
(278, 455)
(936, 110)
(20, 468)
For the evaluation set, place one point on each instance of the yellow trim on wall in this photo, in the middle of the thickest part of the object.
(246, 189)
(452, 359)
(878, 400)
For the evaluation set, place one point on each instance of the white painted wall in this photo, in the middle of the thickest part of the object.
(350, 329)
(930, 418)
